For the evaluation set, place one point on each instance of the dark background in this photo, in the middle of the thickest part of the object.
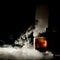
(15, 18)
(53, 33)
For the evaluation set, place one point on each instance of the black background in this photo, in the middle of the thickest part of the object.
(15, 18)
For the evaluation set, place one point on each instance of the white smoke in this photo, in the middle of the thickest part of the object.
(23, 39)
(40, 27)
(42, 18)
(19, 53)
(27, 51)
